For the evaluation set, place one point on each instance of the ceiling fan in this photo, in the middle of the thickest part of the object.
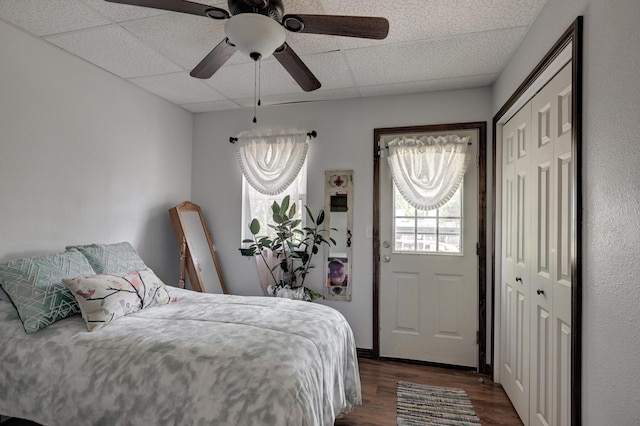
(256, 28)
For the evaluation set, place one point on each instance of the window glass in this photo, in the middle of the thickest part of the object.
(434, 231)
(257, 205)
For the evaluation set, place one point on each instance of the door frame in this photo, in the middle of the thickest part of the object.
(481, 126)
(572, 36)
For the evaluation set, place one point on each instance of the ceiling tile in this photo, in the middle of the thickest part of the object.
(469, 54)
(179, 88)
(121, 12)
(465, 82)
(46, 17)
(116, 50)
(300, 97)
(184, 39)
(211, 106)
(331, 69)
(305, 44)
(426, 19)
(237, 81)
(309, 7)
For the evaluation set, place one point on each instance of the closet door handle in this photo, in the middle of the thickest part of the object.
(540, 291)
(518, 279)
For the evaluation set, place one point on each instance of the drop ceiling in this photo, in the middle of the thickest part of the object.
(432, 45)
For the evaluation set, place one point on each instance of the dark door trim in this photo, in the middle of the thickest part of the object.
(572, 35)
(482, 229)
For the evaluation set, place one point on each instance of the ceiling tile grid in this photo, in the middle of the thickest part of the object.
(116, 50)
(432, 45)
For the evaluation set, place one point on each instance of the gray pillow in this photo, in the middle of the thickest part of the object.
(115, 258)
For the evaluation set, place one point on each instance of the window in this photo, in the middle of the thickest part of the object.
(258, 205)
(434, 231)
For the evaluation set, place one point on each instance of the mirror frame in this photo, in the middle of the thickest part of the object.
(195, 277)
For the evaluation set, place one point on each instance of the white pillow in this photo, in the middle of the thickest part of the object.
(103, 298)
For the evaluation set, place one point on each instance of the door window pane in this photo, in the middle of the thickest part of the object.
(434, 231)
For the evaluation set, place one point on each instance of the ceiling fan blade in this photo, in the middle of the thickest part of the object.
(179, 6)
(347, 26)
(298, 70)
(214, 60)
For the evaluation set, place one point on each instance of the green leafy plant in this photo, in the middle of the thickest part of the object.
(293, 245)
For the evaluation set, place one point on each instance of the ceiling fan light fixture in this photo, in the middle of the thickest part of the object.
(253, 33)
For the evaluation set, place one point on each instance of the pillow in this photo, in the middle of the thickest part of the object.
(3, 296)
(35, 287)
(111, 258)
(105, 297)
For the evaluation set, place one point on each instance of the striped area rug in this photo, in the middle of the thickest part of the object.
(433, 406)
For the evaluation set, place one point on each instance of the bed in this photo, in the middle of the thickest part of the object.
(203, 359)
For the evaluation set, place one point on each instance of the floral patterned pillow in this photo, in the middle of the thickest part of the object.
(103, 298)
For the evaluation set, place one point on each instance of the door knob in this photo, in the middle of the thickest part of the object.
(386, 258)
(518, 279)
(540, 291)
(386, 244)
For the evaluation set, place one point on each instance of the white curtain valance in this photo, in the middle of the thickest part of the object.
(428, 170)
(271, 161)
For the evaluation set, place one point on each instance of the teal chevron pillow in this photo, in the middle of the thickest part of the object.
(35, 287)
(3, 295)
(115, 258)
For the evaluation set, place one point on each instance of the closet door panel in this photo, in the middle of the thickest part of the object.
(516, 258)
(562, 235)
(551, 251)
(542, 258)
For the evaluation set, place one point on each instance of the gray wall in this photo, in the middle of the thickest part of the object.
(345, 141)
(86, 157)
(611, 191)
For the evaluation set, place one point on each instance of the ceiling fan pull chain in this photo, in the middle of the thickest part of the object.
(259, 80)
(255, 88)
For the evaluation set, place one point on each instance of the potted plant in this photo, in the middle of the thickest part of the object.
(293, 246)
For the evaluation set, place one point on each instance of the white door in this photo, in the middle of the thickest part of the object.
(551, 253)
(516, 214)
(428, 302)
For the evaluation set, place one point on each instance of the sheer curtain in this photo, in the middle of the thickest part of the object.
(271, 161)
(273, 165)
(428, 170)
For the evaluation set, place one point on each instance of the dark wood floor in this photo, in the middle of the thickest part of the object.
(379, 394)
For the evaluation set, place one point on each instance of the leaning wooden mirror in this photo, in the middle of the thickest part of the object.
(197, 247)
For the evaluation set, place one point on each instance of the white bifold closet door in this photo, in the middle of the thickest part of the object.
(536, 255)
(516, 283)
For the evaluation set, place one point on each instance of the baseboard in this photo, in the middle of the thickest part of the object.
(364, 353)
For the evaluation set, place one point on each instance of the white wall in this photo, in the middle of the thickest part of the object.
(345, 141)
(86, 157)
(611, 194)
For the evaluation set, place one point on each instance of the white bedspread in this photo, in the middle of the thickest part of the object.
(205, 360)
